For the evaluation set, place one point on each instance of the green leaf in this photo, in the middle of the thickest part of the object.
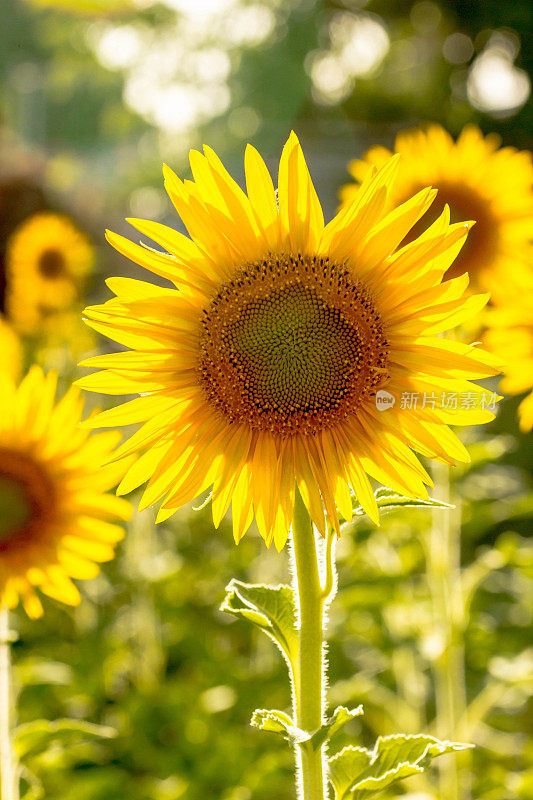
(271, 608)
(340, 717)
(270, 720)
(387, 500)
(31, 788)
(278, 722)
(33, 738)
(345, 766)
(357, 773)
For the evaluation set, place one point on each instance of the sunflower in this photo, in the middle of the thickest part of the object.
(54, 510)
(510, 335)
(264, 370)
(479, 181)
(47, 261)
(11, 356)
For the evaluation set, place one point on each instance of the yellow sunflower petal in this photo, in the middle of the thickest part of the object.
(262, 197)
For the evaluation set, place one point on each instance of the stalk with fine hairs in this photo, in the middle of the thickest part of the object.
(309, 673)
(9, 783)
(444, 578)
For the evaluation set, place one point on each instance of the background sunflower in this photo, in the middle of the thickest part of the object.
(48, 260)
(510, 335)
(479, 181)
(54, 510)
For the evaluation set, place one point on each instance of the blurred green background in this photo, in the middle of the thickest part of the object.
(94, 96)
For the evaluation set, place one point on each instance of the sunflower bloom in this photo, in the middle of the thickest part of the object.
(510, 335)
(263, 370)
(56, 520)
(479, 181)
(48, 259)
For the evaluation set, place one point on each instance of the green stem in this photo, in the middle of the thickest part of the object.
(310, 669)
(8, 762)
(444, 575)
(330, 577)
(145, 626)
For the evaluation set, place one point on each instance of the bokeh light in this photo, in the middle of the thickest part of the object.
(495, 85)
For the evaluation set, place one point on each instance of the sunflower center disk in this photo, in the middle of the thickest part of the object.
(464, 205)
(51, 263)
(27, 499)
(15, 508)
(292, 345)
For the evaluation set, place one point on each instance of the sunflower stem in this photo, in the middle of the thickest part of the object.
(8, 763)
(330, 578)
(310, 668)
(444, 577)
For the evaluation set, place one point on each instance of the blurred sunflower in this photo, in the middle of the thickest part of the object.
(47, 261)
(11, 355)
(19, 199)
(263, 370)
(54, 510)
(478, 180)
(510, 335)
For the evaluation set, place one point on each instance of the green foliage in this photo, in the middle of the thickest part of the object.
(279, 722)
(357, 773)
(387, 500)
(338, 719)
(85, 6)
(35, 738)
(59, 744)
(271, 608)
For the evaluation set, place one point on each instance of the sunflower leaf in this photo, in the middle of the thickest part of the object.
(271, 608)
(357, 773)
(33, 738)
(278, 722)
(387, 500)
(338, 719)
(31, 787)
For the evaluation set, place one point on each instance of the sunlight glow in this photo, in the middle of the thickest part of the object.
(360, 40)
(331, 82)
(358, 45)
(179, 80)
(495, 85)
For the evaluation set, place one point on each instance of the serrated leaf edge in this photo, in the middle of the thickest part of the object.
(232, 590)
(416, 764)
(323, 734)
(294, 734)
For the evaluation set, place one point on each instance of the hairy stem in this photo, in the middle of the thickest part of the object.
(310, 669)
(8, 763)
(444, 576)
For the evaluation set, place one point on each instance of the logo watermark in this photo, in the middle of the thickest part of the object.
(384, 400)
(448, 401)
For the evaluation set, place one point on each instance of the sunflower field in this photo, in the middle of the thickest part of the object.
(266, 367)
